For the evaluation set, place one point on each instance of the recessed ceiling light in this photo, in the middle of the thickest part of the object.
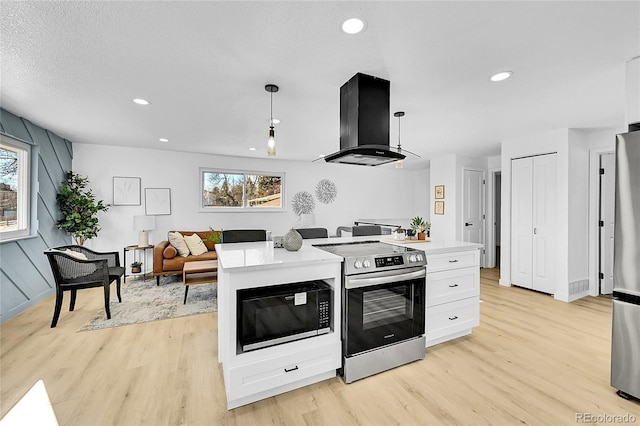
(502, 75)
(276, 121)
(163, 140)
(140, 101)
(252, 149)
(352, 26)
(321, 156)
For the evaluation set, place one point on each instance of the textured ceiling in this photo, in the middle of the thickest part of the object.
(73, 67)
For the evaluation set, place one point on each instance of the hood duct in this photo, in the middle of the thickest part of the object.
(364, 123)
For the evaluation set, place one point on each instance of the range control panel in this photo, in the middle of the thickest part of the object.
(381, 262)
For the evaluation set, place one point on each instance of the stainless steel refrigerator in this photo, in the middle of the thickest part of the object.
(625, 339)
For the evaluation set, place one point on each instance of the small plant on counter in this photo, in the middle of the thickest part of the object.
(420, 226)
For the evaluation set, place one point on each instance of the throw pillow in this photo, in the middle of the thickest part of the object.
(169, 252)
(196, 245)
(177, 240)
(76, 254)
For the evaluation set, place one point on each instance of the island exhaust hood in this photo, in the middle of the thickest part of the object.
(364, 123)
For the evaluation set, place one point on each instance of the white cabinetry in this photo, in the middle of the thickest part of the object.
(453, 295)
(258, 374)
(533, 222)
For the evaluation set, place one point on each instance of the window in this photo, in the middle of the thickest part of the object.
(14, 188)
(241, 191)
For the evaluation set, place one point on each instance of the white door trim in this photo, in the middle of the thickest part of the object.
(594, 214)
(490, 240)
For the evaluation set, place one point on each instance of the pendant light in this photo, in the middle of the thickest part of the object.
(399, 114)
(271, 142)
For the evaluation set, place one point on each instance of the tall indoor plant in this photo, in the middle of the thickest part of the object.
(79, 208)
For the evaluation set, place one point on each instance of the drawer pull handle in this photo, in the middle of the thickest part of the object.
(287, 370)
(453, 318)
(453, 285)
(453, 261)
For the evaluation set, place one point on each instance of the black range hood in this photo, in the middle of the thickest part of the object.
(364, 123)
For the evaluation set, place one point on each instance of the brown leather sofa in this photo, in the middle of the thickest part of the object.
(166, 260)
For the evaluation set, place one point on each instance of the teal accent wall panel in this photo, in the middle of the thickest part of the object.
(25, 274)
(14, 126)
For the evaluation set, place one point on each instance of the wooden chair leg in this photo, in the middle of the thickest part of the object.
(58, 307)
(106, 301)
(72, 303)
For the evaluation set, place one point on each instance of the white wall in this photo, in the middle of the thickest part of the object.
(384, 192)
(443, 172)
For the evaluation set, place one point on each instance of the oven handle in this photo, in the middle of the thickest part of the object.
(387, 277)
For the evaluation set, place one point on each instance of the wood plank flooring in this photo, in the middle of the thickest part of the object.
(533, 360)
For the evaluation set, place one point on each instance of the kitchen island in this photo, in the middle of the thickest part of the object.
(257, 374)
(452, 309)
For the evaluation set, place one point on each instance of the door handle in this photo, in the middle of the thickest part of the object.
(535, 231)
(468, 224)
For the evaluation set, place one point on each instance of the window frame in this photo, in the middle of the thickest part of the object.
(25, 188)
(244, 208)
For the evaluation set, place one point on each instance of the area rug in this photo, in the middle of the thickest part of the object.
(143, 301)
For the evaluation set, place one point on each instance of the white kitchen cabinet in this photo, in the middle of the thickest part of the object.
(533, 222)
(453, 295)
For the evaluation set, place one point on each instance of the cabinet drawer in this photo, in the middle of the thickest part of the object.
(450, 318)
(449, 286)
(459, 259)
(248, 379)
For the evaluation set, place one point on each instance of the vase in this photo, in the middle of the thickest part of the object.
(292, 240)
(421, 235)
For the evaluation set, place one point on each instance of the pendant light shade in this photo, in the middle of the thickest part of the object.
(271, 142)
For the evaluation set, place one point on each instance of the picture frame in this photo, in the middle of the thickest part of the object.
(439, 192)
(157, 201)
(439, 207)
(126, 191)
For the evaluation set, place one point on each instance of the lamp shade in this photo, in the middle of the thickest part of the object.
(144, 223)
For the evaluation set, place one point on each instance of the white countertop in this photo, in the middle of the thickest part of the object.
(263, 254)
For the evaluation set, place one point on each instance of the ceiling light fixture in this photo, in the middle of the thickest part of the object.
(141, 101)
(252, 149)
(163, 140)
(353, 26)
(501, 76)
(271, 142)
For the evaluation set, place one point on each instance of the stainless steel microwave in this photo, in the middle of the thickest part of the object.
(273, 315)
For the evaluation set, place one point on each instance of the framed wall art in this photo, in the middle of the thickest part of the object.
(439, 207)
(157, 201)
(126, 191)
(439, 192)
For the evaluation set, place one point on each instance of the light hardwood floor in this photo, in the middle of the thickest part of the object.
(532, 360)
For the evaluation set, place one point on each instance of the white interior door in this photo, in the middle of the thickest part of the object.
(521, 222)
(544, 223)
(607, 209)
(473, 208)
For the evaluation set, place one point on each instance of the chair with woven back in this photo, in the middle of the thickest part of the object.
(76, 267)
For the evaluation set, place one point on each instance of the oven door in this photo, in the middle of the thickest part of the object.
(382, 308)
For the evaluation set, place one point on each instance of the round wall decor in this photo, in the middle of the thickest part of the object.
(326, 191)
(303, 203)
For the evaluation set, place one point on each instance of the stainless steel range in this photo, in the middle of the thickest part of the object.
(383, 306)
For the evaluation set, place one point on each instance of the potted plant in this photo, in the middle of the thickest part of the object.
(420, 226)
(136, 267)
(214, 236)
(79, 208)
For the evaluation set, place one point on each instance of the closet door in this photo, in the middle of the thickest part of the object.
(544, 223)
(533, 222)
(522, 222)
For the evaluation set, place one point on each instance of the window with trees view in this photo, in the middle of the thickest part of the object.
(14, 188)
(225, 189)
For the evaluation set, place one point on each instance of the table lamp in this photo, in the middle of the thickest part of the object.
(144, 224)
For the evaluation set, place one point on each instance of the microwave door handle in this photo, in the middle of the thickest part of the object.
(358, 282)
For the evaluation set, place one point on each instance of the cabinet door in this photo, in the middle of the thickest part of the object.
(521, 222)
(544, 219)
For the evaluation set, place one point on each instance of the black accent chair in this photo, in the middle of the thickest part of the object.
(73, 274)
(243, 235)
(309, 233)
(359, 231)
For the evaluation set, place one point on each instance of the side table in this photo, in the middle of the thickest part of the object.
(136, 249)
